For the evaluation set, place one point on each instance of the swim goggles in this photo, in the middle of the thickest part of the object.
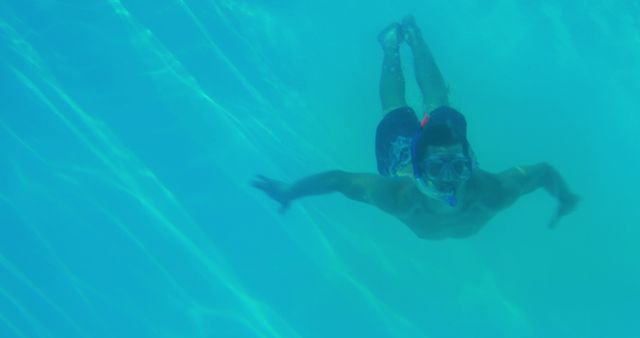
(446, 168)
(440, 176)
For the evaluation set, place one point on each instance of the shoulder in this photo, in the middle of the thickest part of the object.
(384, 192)
(500, 190)
(483, 180)
(490, 189)
(395, 195)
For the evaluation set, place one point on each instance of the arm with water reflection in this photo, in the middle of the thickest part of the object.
(377, 190)
(521, 180)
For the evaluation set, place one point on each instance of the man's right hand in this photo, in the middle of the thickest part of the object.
(566, 204)
(277, 190)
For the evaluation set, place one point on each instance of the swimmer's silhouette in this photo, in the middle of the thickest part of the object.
(428, 176)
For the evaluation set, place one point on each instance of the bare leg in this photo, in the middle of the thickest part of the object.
(434, 90)
(391, 79)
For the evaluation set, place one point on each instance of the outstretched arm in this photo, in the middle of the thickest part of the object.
(376, 190)
(522, 180)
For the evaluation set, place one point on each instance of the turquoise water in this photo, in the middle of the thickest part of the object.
(130, 130)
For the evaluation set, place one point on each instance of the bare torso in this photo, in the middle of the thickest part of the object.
(432, 219)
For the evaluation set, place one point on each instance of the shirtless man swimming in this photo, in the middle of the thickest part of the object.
(428, 176)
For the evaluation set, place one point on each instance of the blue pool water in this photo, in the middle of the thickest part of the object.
(130, 132)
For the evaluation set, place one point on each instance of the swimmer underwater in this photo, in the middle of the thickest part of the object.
(428, 175)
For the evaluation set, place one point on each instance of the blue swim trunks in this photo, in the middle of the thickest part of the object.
(393, 140)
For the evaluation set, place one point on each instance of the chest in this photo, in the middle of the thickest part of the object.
(457, 224)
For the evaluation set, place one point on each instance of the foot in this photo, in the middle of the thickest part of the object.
(390, 37)
(410, 31)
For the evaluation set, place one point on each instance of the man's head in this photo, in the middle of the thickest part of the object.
(441, 158)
